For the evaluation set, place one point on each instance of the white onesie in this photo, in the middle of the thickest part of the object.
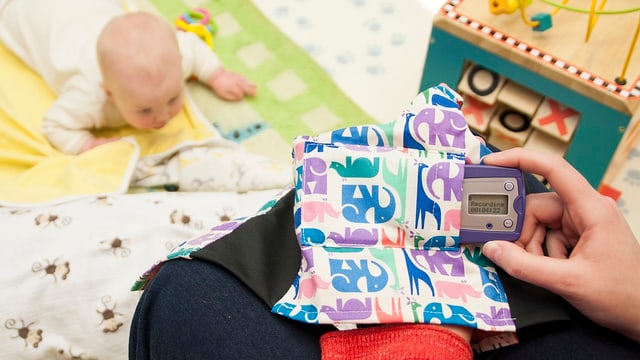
(57, 39)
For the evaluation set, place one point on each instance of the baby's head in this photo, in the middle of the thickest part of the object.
(141, 69)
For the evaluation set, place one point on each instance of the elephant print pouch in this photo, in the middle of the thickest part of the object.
(377, 217)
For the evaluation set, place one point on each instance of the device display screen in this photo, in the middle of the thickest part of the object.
(482, 204)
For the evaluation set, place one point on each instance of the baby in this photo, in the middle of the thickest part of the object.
(108, 67)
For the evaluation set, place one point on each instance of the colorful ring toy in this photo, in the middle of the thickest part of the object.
(199, 22)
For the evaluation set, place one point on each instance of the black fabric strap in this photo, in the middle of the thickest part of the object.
(264, 254)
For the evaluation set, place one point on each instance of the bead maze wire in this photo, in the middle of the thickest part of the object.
(542, 21)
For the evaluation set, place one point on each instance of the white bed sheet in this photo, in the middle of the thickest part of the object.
(67, 268)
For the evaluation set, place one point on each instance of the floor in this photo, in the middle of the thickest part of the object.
(375, 50)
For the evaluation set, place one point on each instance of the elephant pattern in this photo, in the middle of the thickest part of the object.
(377, 219)
(348, 189)
(377, 216)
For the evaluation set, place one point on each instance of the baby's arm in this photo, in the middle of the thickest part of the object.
(231, 86)
(198, 60)
(67, 123)
(95, 141)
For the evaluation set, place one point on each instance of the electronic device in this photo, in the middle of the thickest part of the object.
(493, 201)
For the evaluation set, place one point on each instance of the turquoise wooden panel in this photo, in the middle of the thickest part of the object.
(600, 128)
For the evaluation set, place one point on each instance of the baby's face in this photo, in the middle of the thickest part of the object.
(146, 104)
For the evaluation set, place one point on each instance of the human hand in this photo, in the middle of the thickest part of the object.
(593, 257)
(93, 142)
(231, 86)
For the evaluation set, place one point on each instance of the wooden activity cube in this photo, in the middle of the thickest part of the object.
(551, 90)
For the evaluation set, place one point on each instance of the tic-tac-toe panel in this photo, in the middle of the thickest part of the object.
(541, 141)
(477, 113)
(483, 83)
(556, 120)
(510, 125)
(520, 98)
(509, 114)
(574, 103)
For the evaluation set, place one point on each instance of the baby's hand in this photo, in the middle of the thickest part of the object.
(93, 142)
(231, 86)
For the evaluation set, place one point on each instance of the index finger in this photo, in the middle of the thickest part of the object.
(567, 182)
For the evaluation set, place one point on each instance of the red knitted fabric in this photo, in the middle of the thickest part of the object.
(413, 341)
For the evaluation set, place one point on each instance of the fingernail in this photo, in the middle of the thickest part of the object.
(491, 250)
(492, 155)
(482, 159)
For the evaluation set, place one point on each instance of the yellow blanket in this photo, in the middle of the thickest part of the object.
(32, 171)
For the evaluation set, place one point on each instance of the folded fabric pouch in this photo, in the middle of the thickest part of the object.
(377, 216)
(370, 232)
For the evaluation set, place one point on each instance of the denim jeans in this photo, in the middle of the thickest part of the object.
(194, 309)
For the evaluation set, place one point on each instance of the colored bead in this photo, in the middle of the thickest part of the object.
(544, 21)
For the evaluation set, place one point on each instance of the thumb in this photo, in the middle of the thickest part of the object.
(535, 269)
